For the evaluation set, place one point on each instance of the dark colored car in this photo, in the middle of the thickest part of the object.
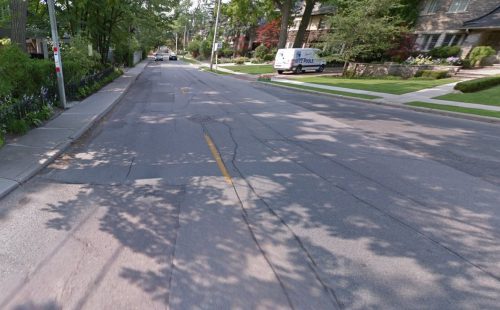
(172, 56)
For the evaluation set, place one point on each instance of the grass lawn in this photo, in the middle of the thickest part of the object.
(252, 69)
(390, 86)
(190, 60)
(454, 109)
(327, 91)
(207, 69)
(490, 96)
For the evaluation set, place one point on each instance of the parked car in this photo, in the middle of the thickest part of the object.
(298, 60)
(158, 57)
(172, 56)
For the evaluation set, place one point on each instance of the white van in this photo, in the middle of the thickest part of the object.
(298, 60)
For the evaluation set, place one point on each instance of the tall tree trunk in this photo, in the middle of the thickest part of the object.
(304, 22)
(286, 9)
(19, 16)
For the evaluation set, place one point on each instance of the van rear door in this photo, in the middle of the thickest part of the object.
(283, 59)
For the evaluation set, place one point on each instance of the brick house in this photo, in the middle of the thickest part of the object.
(467, 23)
(318, 25)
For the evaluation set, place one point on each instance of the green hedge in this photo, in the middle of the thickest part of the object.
(432, 74)
(445, 51)
(478, 84)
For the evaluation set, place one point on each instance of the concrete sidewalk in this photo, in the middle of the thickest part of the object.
(25, 156)
(424, 95)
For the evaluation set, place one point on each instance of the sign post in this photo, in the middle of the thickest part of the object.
(57, 55)
(215, 35)
(217, 46)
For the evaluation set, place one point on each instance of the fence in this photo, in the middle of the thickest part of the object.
(11, 108)
(14, 108)
(72, 88)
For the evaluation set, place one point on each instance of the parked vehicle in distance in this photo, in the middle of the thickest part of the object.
(172, 56)
(298, 60)
(158, 57)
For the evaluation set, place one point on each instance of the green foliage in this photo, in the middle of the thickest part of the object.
(480, 53)
(2, 139)
(445, 51)
(205, 48)
(261, 51)
(194, 48)
(363, 29)
(256, 61)
(269, 57)
(22, 75)
(433, 74)
(478, 84)
(17, 126)
(36, 118)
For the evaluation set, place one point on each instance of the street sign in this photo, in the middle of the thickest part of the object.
(217, 46)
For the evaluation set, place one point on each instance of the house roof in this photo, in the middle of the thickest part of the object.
(488, 21)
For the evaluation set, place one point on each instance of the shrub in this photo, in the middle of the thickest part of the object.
(205, 48)
(240, 60)
(227, 52)
(466, 63)
(445, 51)
(261, 51)
(17, 126)
(194, 48)
(478, 84)
(256, 60)
(2, 139)
(269, 57)
(480, 53)
(432, 74)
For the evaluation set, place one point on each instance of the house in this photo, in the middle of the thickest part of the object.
(467, 23)
(317, 28)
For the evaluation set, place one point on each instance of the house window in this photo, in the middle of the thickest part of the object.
(452, 39)
(433, 41)
(458, 6)
(425, 41)
(322, 23)
(448, 39)
(431, 6)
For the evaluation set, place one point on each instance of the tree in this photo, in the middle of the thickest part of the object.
(19, 17)
(363, 28)
(285, 7)
(268, 34)
(304, 22)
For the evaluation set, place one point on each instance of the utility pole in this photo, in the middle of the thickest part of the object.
(215, 36)
(57, 55)
(176, 40)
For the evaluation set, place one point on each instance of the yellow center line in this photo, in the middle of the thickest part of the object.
(218, 159)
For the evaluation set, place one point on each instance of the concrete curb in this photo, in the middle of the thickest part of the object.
(470, 117)
(11, 185)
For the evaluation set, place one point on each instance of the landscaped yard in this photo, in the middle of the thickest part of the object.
(454, 109)
(252, 69)
(390, 86)
(490, 96)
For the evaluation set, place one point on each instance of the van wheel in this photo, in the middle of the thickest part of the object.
(321, 68)
(298, 69)
(280, 71)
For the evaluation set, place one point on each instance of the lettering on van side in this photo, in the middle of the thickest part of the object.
(305, 61)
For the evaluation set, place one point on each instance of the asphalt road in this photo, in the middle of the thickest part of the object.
(208, 192)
